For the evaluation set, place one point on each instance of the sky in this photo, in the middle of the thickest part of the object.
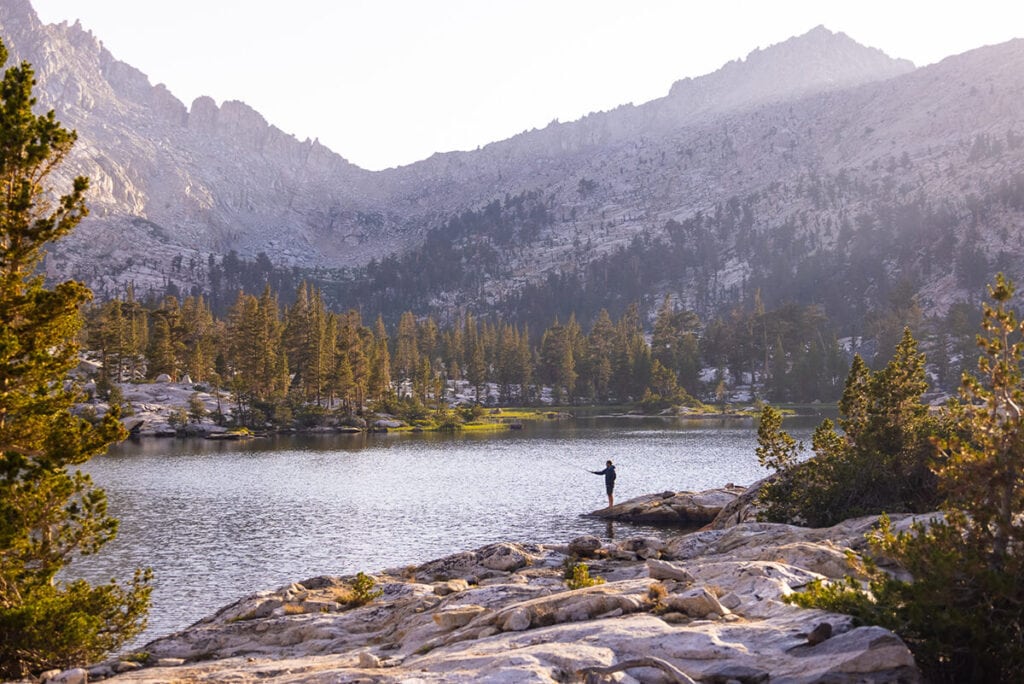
(389, 82)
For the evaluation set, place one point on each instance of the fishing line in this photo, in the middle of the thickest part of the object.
(568, 463)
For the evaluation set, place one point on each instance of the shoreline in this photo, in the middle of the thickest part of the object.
(708, 603)
(153, 408)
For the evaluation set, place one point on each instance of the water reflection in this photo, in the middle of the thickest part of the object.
(219, 520)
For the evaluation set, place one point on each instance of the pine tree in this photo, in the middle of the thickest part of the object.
(600, 345)
(380, 361)
(475, 367)
(166, 349)
(880, 463)
(243, 353)
(49, 512)
(273, 378)
(137, 331)
(199, 338)
(962, 610)
(407, 356)
(558, 364)
(674, 343)
(351, 344)
(308, 343)
(524, 366)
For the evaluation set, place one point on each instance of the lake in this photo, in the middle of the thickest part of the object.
(219, 520)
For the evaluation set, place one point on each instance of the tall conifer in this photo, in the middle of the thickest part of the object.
(49, 512)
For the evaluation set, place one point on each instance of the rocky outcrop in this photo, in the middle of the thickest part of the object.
(687, 509)
(710, 606)
(743, 508)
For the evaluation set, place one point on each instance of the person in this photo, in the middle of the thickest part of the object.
(609, 481)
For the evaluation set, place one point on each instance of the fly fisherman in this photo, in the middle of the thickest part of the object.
(609, 481)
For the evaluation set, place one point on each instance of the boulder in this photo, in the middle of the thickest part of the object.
(585, 546)
(450, 587)
(697, 602)
(74, 676)
(484, 562)
(643, 547)
(504, 557)
(666, 570)
(517, 620)
(368, 661)
(457, 616)
(673, 508)
(743, 508)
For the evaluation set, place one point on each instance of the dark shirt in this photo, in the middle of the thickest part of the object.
(609, 475)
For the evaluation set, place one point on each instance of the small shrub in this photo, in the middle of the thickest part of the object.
(363, 590)
(717, 591)
(115, 397)
(581, 577)
(63, 625)
(196, 408)
(567, 566)
(657, 593)
(178, 418)
(449, 421)
(472, 413)
(412, 410)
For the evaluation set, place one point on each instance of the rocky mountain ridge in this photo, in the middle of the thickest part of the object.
(181, 185)
(836, 198)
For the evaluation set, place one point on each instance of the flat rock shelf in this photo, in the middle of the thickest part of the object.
(703, 606)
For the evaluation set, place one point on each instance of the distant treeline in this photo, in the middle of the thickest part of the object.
(277, 358)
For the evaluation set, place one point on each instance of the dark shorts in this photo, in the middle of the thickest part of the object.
(609, 486)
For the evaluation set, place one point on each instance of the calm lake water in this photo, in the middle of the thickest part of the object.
(219, 520)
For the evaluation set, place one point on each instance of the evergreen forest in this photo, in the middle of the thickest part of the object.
(280, 358)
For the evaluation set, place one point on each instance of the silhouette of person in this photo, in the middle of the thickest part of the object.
(609, 481)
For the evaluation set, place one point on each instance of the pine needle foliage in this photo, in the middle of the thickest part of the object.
(581, 579)
(49, 512)
(364, 590)
(963, 611)
(881, 460)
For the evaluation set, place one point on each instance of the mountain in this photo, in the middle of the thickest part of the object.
(816, 170)
(170, 180)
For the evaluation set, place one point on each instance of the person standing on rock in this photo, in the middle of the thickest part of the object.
(609, 481)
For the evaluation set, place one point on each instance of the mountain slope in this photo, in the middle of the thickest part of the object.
(205, 179)
(838, 198)
(795, 165)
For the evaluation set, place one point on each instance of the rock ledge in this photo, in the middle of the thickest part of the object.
(708, 604)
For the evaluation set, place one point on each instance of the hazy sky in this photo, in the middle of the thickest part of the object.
(389, 82)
